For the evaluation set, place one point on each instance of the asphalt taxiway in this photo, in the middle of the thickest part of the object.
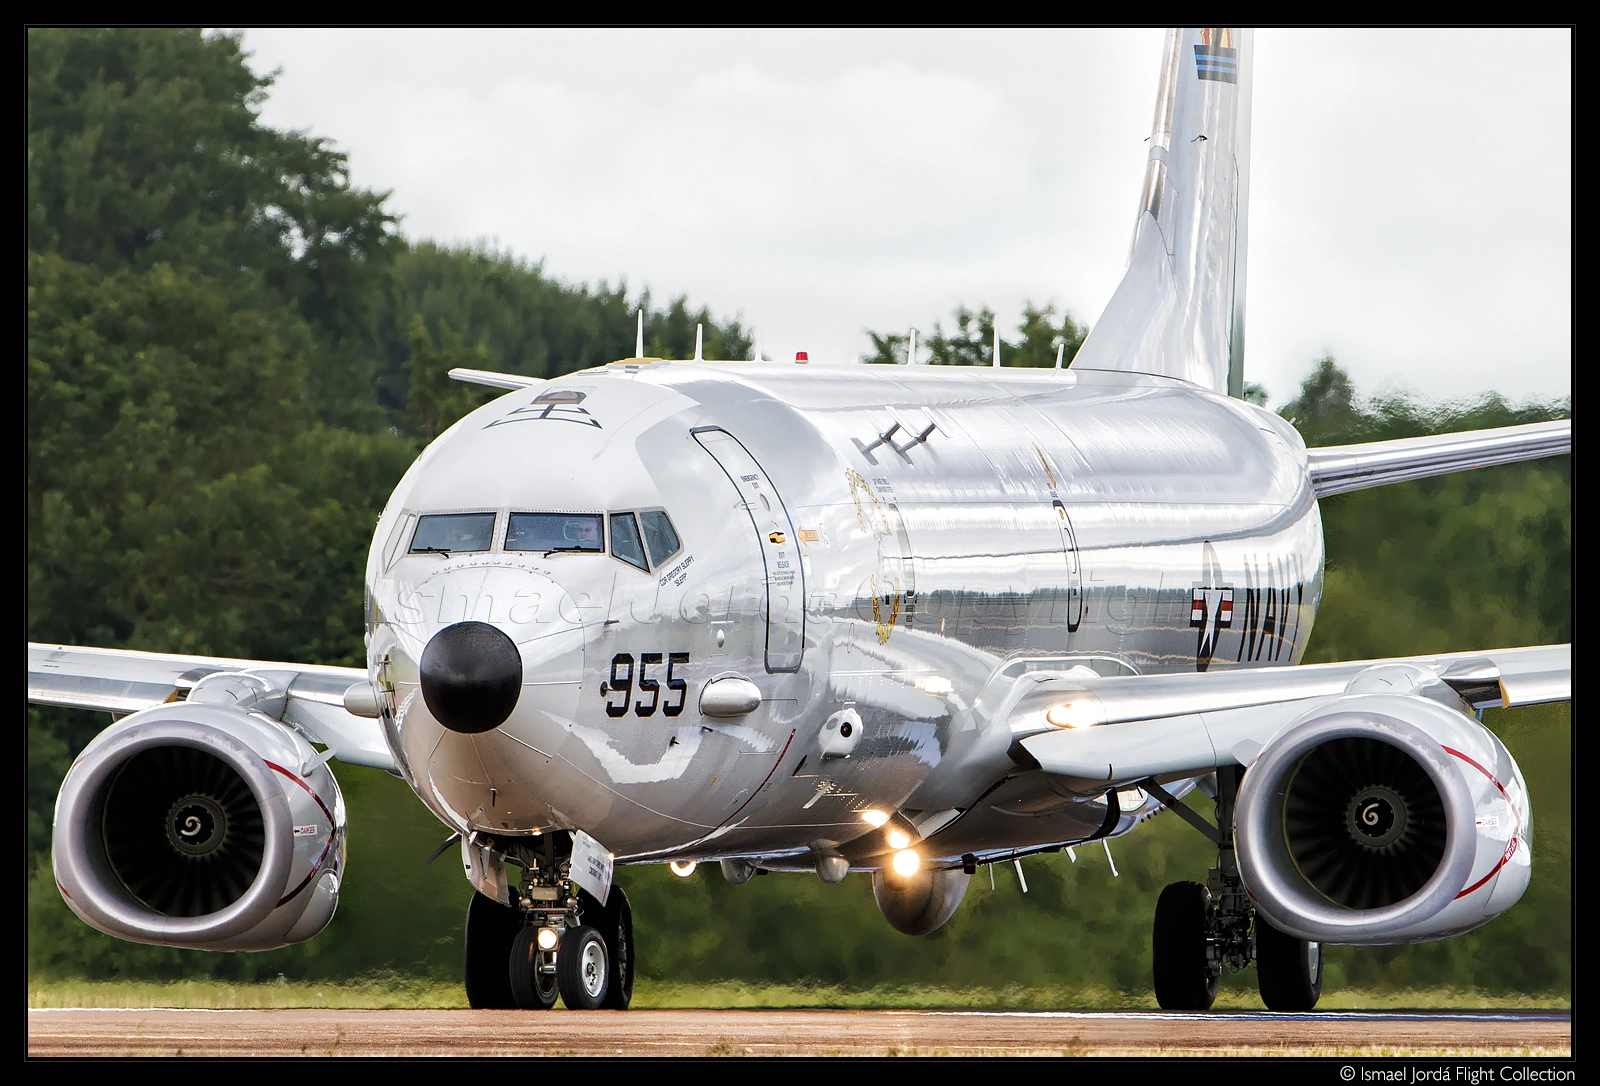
(788, 1033)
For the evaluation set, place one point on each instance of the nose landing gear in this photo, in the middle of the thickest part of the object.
(585, 957)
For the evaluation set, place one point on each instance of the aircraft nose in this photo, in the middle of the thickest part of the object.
(471, 676)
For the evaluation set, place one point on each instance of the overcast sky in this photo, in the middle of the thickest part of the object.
(1410, 190)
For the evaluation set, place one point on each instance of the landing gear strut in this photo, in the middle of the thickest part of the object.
(553, 940)
(1202, 930)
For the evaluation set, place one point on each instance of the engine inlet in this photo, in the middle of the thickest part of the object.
(1363, 822)
(182, 831)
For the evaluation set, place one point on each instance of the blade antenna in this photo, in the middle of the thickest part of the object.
(996, 362)
(698, 330)
(638, 346)
(911, 349)
(448, 841)
(1061, 349)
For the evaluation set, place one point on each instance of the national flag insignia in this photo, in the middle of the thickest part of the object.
(1216, 57)
(1200, 607)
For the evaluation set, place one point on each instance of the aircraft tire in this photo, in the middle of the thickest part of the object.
(1288, 970)
(583, 969)
(618, 934)
(491, 930)
(1184, 980)
(532, 987)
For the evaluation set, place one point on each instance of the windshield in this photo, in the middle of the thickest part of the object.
(555, 532)
(453, 533)
(659, 536)
(625, 542)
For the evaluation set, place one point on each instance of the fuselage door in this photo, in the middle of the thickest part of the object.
(780, 548)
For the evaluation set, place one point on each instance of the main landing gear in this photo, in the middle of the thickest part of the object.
(1202, 930)
(552, 941)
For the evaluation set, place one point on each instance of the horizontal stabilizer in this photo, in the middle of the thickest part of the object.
(512, 381)
(1338, 468)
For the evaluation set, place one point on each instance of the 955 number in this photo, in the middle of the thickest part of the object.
(622, 682)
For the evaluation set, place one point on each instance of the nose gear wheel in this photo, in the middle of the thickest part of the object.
(533, 972)
(583, 969)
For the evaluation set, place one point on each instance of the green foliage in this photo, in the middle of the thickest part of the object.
(520, 321)
(144, 149)
(971, 342)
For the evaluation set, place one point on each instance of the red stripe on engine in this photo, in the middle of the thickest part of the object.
(324, 806)
(1493, 871)
(333, 830)
(1512, 847)
(1479, 768)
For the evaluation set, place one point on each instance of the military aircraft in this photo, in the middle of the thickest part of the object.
(904, 621)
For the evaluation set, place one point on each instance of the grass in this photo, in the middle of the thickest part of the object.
(397, 992)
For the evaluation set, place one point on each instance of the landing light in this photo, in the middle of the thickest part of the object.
(1072, 714)
(874, 818)
(899, 838)
(937, 685)
(548, 938)
(907, 863)
(683, 869)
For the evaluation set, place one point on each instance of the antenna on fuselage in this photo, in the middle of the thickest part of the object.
(698, 330)
(638, 344)
(996, 362)
(911, 349)
(1061, 349)
(756, 347)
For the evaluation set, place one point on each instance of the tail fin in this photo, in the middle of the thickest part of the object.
(1179, 311)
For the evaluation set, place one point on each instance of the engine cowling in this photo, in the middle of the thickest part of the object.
(200, 826)
(1383, 818)
(920, 903)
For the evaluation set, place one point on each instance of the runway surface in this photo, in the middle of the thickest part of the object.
(787, 1033)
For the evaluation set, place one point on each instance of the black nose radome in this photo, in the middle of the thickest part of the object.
(471, 677)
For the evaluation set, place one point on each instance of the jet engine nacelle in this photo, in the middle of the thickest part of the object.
(920, 903)
(1383, 818)
(200, 826)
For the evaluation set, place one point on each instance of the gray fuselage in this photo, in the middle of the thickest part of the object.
(1045, 520)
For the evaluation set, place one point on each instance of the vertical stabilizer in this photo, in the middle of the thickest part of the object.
(1179, 310)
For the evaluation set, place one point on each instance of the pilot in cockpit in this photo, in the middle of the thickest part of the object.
(582, 532)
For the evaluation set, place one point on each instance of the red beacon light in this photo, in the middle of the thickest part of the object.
(800, 358)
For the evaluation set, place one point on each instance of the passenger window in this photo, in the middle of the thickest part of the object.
(554, 532)
(659, 536)
(453, 533)
(625, 542)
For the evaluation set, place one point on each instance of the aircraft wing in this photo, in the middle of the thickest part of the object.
(1338, 468)
(125, 681)
(1127, 728)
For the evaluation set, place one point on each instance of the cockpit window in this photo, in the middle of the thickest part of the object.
(659, 536)
(625, 543)
(555, 532)
(453, 533)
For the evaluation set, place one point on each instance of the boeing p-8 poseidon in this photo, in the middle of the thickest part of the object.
(904, 621)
